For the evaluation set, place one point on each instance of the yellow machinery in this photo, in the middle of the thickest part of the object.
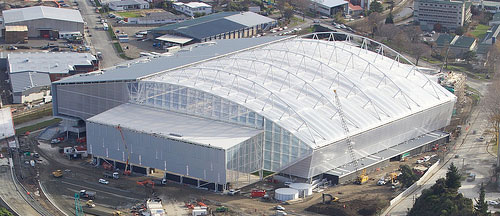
(57, 173)
(363, 178)
(90, 203)
(117, 213)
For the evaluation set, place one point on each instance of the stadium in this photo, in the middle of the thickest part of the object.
(221, 114)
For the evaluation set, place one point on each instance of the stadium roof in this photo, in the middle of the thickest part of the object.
(48, 62)
(23, 81)
(41, 12)
(215, 24)
(176, 126)
(148, 65)
(291, 82)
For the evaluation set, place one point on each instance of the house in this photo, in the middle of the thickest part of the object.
(495, 20)
(45, 22)
(193, 8)
(489, 6)
(491, 35)
(456, 45)
(329, 7)
(449, 14)
(157, 18)
(128, 5)
(355, 10)
(31, 74)
(223, 25)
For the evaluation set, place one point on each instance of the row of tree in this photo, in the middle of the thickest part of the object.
(443, 199)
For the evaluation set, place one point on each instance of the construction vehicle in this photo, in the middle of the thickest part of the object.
(126, 171)
(330, 198)
(107, 166)
(363, 177)
(258, 193)
(160, 182)
(57, 174)
(117, 213)
(87, 194)
(114, 175)
(222, 209)
(90, 204)
(146, 182)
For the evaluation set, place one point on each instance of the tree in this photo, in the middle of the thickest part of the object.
(339, 18)
(418, 50)
(5, 212)
(460, 30)
(374, 21)
(303, 7)
(453, 177)
(389, 19)
(481, 207)
(469, 56)
(439, 200)
(438, 27)
(198, 14)
(407, 176)
(376, 6)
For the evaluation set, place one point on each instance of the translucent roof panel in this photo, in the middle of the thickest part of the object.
(292, 83)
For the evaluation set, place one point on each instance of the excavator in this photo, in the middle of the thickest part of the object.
(145, 183)
(328, 198)
(127, 170)
(57, 173)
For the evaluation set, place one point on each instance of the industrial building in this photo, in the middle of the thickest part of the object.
(7, 132)
(331, 7)
(31, 73)
(223, 25)
(449, 14)
(128, 5)
(45, 21)
(218, 114)
(192, 8)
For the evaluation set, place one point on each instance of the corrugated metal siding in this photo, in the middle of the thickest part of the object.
(87, 100)
(157, 152)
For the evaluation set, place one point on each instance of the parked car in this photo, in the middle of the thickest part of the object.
(233, 192)
(55, 141)
(278, 207)
(103, 181)
(492, 202)
(480, 139)
(381, 182)
(471, 177)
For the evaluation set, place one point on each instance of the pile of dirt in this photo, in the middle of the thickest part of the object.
(362, 207)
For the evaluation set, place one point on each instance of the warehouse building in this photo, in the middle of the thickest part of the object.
(32, 73)
(45, 21)
(224, 25)
(448, 13)
(219, 115)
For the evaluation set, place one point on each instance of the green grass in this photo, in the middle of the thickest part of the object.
(129, 14)
(480, 31)
(118, 47)
(38, 126)
(111, 33)
(32, 116)
(431, 60)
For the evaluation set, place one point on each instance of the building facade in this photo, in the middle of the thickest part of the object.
(128, 5)
(193, 8)
(45, 21)
(448, 13)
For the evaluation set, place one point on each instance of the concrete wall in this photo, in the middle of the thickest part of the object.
(148, 150)
(34, 26)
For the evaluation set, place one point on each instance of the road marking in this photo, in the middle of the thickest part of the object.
(100, 191)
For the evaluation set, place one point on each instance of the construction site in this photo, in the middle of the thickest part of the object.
(255, 126)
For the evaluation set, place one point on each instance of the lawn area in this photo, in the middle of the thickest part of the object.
(38, 126)
(480, 31)
(32, 116)
(129, 14)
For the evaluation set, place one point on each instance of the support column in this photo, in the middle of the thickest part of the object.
(198, 183)
(181, 179)
(114, 165)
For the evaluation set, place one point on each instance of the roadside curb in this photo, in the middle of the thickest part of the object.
(49, 198)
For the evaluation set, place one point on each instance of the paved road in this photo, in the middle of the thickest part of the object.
(473, 157)
(11, 196)
(100, 39)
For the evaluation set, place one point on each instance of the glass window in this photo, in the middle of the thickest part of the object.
(267, 155)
